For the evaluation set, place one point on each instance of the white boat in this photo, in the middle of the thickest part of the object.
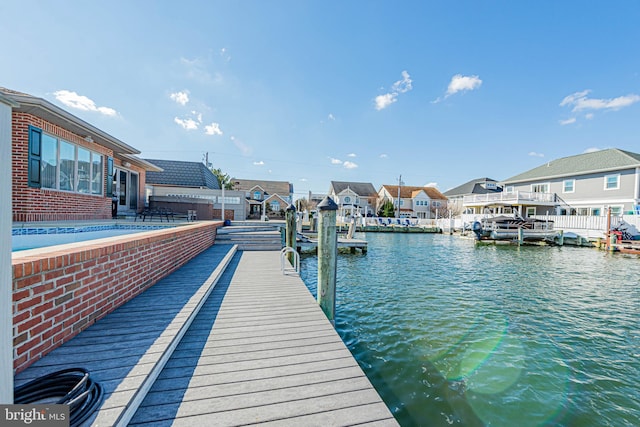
(510, 228)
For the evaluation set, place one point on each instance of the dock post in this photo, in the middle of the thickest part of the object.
(327, 257)
(520, 236)
(561, 238)
(291, 232)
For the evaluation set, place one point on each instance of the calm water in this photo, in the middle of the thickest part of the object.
(454, 334)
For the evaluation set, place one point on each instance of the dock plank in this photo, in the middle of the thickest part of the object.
(270, 357)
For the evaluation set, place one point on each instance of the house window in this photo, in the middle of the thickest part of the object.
(275, 206)
(615, 210)
(437, 203)
(66, 166)
(595, 211)
(568, 185)
(531, 211)
(509, 189)
(347, 199)
(539, 188)
(583, 211)
(229, 200)
(612, 182)
(257, 195)
(401, 202)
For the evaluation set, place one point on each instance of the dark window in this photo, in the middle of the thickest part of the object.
(110, 177)
(35, 137)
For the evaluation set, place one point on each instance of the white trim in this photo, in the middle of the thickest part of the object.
(546, 184)
(617, 175)
(573, 186)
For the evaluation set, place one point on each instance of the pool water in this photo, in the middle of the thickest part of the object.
(32, 238)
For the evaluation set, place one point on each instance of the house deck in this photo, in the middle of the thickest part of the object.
(226, 340)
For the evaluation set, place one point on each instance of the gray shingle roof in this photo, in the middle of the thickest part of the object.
(182, 174)
(597, 161)
(282, 188)
(364, 189)
(472, 187)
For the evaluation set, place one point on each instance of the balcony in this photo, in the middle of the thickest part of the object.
(511, 198)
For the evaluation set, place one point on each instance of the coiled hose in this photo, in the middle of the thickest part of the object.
(73, 387)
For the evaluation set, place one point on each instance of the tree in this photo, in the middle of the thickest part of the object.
(387, 210)
(223, 178)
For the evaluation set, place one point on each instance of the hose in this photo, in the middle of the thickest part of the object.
(73, 387)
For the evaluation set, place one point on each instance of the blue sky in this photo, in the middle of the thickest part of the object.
(314, 91)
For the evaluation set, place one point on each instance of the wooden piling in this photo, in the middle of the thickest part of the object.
(327, 257)
(291, 232)
(561, 238)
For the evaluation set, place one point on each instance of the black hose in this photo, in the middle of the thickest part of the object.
(73, 387)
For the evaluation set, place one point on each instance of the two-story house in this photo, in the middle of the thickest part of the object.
(480, 186)
(414, 202)
(265, 199)
(584, 184)
(353, 198)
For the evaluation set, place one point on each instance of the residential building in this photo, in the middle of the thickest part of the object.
(265, 199)
(67, 169)
(479, 186)
(353, 198)
(584, 184)
(414, 202)
(182, 180)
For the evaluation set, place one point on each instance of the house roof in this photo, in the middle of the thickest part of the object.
(364, 189)
(472, 187)
(52, 113)
(407, 192)
(598, 161)
(282, 188)
(182, 174)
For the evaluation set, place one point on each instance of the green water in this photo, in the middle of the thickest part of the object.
(454, 334)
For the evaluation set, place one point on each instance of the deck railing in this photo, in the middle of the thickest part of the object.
(515, 197)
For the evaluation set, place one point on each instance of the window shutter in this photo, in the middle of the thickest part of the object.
(109, 177)
(35, 138)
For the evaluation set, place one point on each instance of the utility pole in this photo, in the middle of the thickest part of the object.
(399, 184)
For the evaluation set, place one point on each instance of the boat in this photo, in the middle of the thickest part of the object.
(514, 228)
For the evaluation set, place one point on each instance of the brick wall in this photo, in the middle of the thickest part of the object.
(57, 294)
(40, 204)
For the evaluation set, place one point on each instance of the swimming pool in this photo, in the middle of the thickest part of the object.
(40, 237)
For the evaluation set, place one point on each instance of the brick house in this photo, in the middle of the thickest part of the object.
(272, 196)
(66, 169)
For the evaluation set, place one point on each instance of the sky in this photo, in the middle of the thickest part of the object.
(314, 91)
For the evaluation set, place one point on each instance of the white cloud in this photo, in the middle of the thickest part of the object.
(81, 102)
(351, 155)
(260, 163)
(303, 179)
(580, 101)
(401, 86)
(331, 117)
(592, 150)
(335, 161)
(383, 156)
(187, 124)
(588, 116)
(568, 121)
(180, 97)
(225, 54)
(534, 154)
(460, 83)
(213, 129)
(349, 165)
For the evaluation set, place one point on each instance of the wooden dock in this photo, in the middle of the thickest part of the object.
(230, 346)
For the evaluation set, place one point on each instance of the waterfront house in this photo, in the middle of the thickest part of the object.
(584, 184)
(265, 198)
(456, 195)
(414, 202)
(353, 198)
(186, 186)
(66, 169)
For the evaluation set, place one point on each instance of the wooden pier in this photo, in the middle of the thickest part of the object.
(226, 340)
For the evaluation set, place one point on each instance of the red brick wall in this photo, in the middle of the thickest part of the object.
(57, 294)
(36, 204)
